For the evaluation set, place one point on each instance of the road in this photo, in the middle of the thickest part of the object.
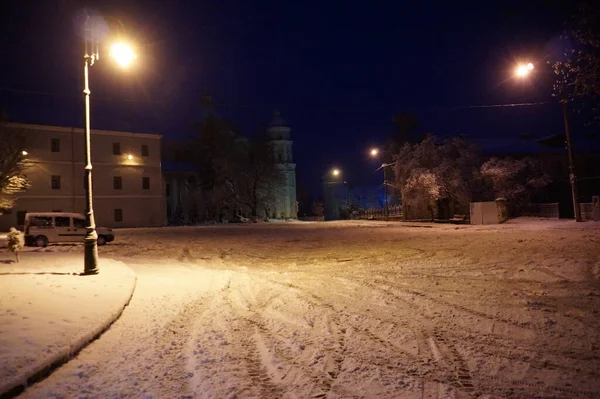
(349, 310)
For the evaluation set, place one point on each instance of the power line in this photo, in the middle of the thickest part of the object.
(231, 105)
(63, 95)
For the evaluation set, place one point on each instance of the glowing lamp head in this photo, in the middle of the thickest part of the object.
(523, 70)
(24, 153)
(130, 157)
(335, 172)
(122, 53)
(374, 152)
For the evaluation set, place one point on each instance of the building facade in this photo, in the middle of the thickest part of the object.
(127, 181)
(281, 142)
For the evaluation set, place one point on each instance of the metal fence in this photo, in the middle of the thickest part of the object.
(379, 213)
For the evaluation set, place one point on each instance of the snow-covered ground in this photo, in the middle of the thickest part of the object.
(350, 310)
(48, 311)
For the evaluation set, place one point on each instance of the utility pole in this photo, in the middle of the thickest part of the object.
(385, 191)
(572, 175)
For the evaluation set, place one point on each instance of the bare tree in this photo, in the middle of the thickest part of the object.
(257, 178)
(578, 71)
(318, 208)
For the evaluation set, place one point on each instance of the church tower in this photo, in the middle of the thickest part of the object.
(281, 144)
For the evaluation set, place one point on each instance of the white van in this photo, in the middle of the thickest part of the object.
(43, 228)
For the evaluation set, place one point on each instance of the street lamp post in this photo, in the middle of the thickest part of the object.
(523, 71)
(374, 153)
(91, 237)
(123, 54)
(331, 181)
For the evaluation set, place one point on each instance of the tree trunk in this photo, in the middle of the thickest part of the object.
(17, 256)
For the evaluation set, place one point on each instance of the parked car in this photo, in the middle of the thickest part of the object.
(43, 228)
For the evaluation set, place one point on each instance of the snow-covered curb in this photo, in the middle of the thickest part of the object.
(81, 334)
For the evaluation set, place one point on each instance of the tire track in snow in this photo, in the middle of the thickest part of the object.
(172, 343)
(254, 344)
(450, 372)
(232, 346)
(332, 345)
(432, 375)
(321, 382)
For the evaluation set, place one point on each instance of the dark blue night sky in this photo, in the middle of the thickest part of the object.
(338, 71)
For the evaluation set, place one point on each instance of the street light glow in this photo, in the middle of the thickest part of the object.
(130, 157)
(523, 70)
(335, 172)
(374, 152)
(24, 152)
(122, 53)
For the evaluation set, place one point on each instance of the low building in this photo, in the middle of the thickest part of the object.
(127, 181)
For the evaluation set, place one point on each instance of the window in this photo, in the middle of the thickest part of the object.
(116, 148)
(167, 190)
(41, 221)
(145, 152)
(55, 182)
(118, 215)
(79, 223)
(55, 145)
(62, 221)
(117, 183)
(146, 183)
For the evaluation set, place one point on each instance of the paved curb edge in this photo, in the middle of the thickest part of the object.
(44, 370)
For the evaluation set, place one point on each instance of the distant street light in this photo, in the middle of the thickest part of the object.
(336, 172)
(123, 54)
(24, 153)
(523, 71)
(375, 153)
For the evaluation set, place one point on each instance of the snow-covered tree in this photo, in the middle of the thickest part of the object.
(15, 241)
(12, 156)
(433, 170)
(517, 180)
